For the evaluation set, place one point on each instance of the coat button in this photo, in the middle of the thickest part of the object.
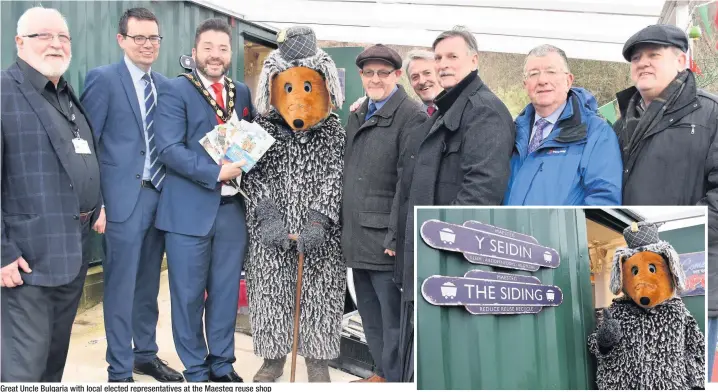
(412, 156)
(75, 217)
(671, 120)
(70, 186)
(137, 176)
(142, 153)
(626, 171)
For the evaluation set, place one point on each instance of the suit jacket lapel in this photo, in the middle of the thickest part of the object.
(37, 103)
(129, 86)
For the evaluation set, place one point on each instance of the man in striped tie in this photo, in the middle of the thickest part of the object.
(120, 100)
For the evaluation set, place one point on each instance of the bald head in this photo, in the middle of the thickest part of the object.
(43, 41)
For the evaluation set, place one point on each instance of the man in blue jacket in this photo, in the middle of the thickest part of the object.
(565, 154)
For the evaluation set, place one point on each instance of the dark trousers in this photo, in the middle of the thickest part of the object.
(379, 304)
(212, 263)
(134, 250)
(36, 326)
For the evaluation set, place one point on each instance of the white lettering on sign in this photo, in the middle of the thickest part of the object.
(515, 293)
(506, 248)
(481, 291)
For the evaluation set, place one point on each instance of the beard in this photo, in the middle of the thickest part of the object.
(47, 69)
(204, 68)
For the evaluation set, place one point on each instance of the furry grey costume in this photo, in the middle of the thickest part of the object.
(296, 188)
(655, 348)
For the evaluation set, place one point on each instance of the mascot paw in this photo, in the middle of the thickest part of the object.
(314, 231)
(609, 333)
(271, 229)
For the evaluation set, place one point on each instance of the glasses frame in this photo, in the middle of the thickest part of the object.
(144, 39)
(536, 76)
(51, 38)
(378, 73)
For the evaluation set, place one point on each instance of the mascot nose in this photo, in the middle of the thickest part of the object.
(298, 123)
(645, 301)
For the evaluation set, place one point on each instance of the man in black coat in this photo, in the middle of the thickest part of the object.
(461, 155)
(376, 134)
(50, 199)
(667, 132)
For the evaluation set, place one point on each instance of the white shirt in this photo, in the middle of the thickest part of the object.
(226, 189)
(136, 74)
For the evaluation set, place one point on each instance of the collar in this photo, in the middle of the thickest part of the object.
(38, 80)
(135, 72)
(381, 103)
(553, 117)
(446, 98)
(207, 83)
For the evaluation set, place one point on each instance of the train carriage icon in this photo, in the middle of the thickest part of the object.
(447, 236)
(547, 256)
(550, 295)
(448, 290)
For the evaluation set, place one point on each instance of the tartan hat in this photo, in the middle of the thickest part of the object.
(297, 42)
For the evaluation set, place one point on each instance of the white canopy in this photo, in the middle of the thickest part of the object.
(586, 29)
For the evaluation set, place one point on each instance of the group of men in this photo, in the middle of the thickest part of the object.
(468, 151)
(125, 160)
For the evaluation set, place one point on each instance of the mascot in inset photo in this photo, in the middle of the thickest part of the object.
(648, 339)
(296, 197)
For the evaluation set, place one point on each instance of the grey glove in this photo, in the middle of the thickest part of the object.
(271, 229)
(609, 333)
(313, 233)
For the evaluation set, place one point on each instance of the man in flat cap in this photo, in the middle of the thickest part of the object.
(377, 133)
(667, 131)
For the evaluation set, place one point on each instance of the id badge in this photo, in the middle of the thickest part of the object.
(81, 146)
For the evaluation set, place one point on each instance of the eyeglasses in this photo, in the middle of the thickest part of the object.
(141, 39)
(64, 38)
(383, 74)
(550, 73)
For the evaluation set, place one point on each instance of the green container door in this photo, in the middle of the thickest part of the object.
(345, 59)
(457, 350)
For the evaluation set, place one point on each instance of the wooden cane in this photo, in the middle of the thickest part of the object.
(298, 298)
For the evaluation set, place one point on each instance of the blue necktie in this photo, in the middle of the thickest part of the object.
(372, 109)
(157, 169)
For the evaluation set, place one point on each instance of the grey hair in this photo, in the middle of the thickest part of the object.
(545, 49)
(416, 54)
(464, 33)
(23, 23)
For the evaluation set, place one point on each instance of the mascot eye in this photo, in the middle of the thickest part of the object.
(652, 268)
(288, 87)
(307, 87)
(634, 270)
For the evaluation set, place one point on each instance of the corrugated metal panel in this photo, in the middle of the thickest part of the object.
(457, 350)
(93, 27)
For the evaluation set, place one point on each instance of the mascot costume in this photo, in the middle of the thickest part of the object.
(296, 197)
(648, 339)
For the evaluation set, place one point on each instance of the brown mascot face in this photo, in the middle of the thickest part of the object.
(647, 279)
(301, 97)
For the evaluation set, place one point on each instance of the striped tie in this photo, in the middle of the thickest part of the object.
(157, 169)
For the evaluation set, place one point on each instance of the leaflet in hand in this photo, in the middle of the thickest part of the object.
(237, 140)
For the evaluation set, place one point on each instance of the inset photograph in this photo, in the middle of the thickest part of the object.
(561, 298)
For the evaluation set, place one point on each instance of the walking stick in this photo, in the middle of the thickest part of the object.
(296, 315)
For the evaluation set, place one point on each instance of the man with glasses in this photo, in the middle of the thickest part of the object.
(565, 154)
(121, 101)
(376, 135)
(50, 200)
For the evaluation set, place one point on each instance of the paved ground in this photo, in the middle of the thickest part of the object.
(86, 359)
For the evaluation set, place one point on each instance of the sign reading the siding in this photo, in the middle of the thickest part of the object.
(483, 292)
(489, 245)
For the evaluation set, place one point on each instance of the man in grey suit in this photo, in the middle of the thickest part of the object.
(50, 199)
(120, 100)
